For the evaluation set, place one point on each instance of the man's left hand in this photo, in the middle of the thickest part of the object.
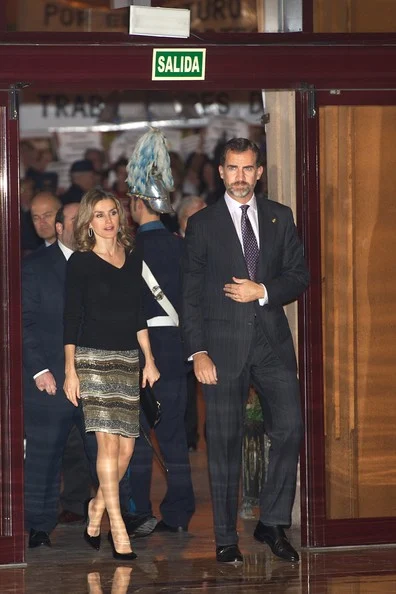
(244, 290)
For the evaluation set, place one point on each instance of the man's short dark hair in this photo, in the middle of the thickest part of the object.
(60, 216)
(240, 145)
(81, 166)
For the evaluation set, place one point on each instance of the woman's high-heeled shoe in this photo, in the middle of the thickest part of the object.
(93, 541)
(120, 556)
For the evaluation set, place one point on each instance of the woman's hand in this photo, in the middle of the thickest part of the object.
(150, 373)
(71, 387)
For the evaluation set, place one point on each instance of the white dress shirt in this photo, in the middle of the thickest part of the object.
(67, 252)
(235, 211)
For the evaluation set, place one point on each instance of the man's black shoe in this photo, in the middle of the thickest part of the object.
(139, 525)
(162, 527)
(229, 554)
(276, 539)
(37, 538)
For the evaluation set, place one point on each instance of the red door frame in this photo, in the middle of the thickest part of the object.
(11, 415)
(275, 61)
(280, 61)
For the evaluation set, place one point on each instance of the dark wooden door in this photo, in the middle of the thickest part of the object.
(349, 211)
(11, 417)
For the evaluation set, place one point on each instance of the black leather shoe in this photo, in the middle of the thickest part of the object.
(229, 554)
(276, 539)
(37, 538)
(162, 527)
(139, 525)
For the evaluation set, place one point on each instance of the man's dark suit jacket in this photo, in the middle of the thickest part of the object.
(214, 323)
(43, 281)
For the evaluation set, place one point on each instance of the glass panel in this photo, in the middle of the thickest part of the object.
(354, 16)
(96, 15)
(57, 128)
(358, 209)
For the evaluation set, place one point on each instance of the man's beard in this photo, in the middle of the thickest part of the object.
(239, 190)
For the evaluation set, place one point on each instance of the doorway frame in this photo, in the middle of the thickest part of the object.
(278, 61)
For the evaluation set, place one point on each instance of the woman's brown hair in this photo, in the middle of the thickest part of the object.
(86, 243)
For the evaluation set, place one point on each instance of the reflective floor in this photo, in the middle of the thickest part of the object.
(184, 563)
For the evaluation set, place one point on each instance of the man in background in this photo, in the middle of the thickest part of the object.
(49, 416)
(161, 252)
(43, 209)
(188, 206)
(82, 175)
(97, 157)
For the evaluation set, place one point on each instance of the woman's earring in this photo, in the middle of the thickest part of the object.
(90, 232)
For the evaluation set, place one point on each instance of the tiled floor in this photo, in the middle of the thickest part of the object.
(184, 563)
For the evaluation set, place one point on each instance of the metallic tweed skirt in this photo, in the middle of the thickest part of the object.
(109, 390)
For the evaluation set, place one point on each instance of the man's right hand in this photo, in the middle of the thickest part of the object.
(204, 369)
(46, 383)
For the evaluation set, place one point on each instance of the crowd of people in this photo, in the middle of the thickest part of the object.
(197, 176)
(145, 284)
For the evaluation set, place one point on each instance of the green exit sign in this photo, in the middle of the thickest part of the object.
(179, 64)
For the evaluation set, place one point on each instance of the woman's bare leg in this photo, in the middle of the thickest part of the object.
(97, 505)
(112, 454)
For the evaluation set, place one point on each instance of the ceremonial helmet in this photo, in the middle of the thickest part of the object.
(149, 172)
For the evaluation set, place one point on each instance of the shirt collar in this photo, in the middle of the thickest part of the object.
(67, 252)
(235, 206)
(151, 226)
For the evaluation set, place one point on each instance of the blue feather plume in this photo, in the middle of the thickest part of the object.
(150, 157)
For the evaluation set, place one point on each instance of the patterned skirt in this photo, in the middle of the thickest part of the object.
(109, 390)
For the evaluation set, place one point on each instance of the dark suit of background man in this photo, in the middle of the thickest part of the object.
(49, 416)
(235, 328)
(162, 253)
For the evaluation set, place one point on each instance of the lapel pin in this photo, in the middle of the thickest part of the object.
(274, 220)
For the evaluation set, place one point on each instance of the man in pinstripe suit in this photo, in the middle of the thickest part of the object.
(241, 265)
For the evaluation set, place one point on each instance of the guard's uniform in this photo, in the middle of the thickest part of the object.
(162, 253)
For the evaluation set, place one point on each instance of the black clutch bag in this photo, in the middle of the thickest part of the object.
(150, 405)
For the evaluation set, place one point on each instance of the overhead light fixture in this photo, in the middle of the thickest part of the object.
(159, 22)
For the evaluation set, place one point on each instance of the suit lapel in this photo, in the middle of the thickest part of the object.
(227, 235)
(267, 229)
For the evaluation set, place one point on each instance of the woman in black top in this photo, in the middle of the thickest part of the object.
(103, 327)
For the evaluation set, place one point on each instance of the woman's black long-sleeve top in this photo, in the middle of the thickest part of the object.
(103, 308)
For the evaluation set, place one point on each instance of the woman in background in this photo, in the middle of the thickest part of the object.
(103, 327)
